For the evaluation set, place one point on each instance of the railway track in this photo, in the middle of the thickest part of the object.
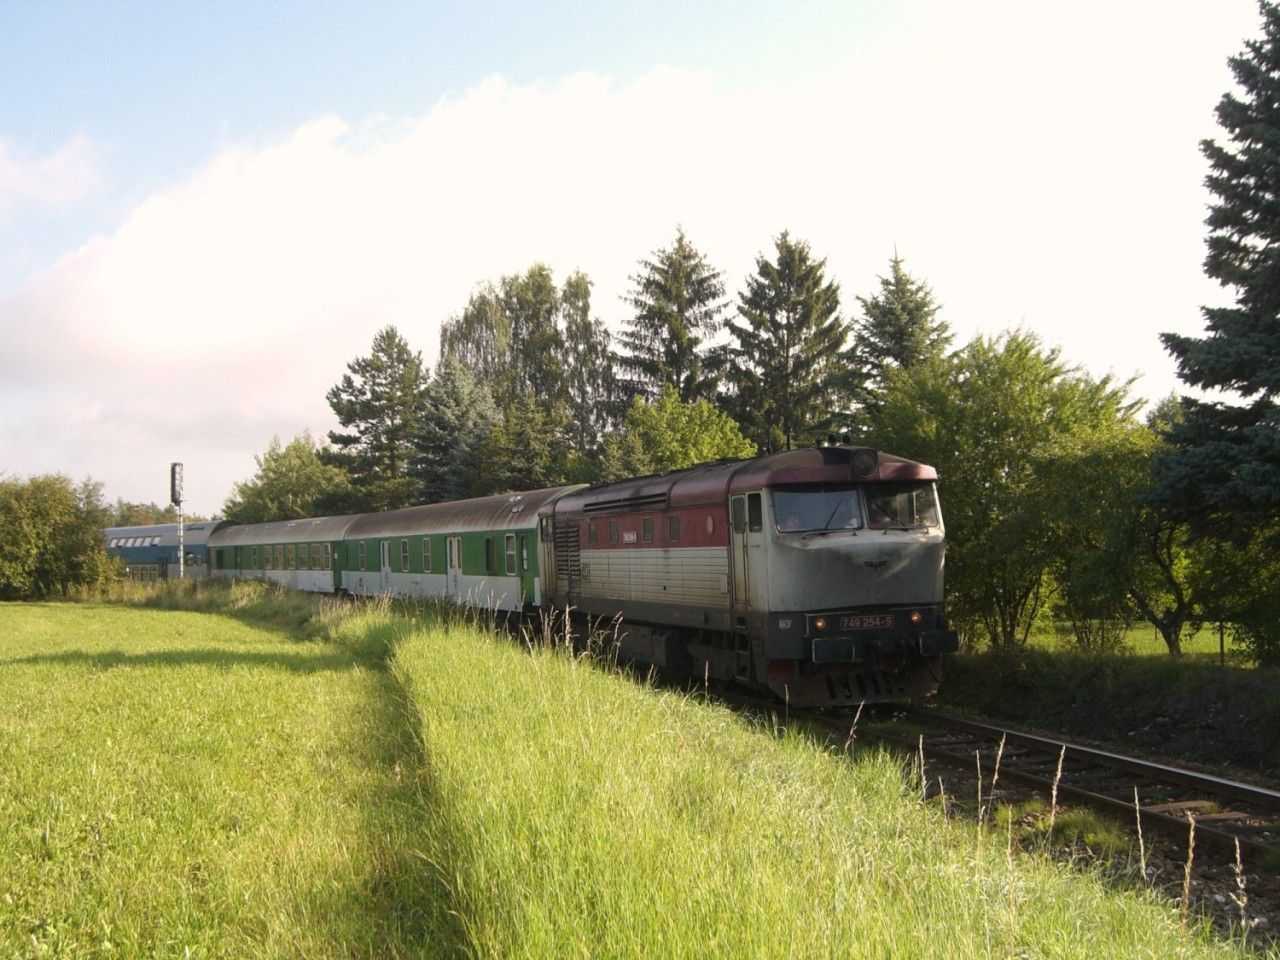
(1226, 811)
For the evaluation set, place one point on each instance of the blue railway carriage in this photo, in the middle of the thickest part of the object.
(151, 552)
(301, 554)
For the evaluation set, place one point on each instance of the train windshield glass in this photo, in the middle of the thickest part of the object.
(894, 506)
(803, 509)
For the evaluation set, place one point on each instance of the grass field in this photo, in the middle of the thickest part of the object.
(181, 784)
(193, 784)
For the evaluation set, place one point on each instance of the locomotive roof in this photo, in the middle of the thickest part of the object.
(712, 482)
(505, 511)
(282, 531)
(193, 534)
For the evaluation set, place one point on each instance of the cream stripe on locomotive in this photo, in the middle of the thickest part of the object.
(695, 575)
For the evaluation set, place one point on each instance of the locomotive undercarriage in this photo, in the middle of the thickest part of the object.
(884, 672)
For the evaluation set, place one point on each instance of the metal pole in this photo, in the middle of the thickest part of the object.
(182, 552)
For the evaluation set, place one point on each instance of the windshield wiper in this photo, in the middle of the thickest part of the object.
(834, 510)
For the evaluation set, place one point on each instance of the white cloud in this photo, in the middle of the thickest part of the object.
(59, 179)
(1035, 172)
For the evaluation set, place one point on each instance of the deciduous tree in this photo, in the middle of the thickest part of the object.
(291, 482)
(669, 434)
(51, 536)
(991, 417)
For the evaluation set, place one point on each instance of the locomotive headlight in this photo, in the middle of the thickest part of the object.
(820, 623)
(916, 618)
(864, 463)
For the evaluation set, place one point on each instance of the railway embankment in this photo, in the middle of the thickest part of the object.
(1188, 710)
(575, 814)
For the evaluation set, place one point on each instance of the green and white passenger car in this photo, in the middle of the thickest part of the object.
(482, 552)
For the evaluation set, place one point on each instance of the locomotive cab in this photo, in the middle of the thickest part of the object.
(854, 573)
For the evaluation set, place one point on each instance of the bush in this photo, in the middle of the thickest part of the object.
(51, 537)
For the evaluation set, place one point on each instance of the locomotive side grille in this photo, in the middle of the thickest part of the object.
(652, 501)
(568, 554)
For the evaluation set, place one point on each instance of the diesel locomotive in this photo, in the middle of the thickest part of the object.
(815, 573)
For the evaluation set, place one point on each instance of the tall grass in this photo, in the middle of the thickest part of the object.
(571, 814)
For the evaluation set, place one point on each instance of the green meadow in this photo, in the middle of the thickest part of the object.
(207, 784)
(185, 784)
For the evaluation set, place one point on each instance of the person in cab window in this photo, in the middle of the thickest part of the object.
(791, 524)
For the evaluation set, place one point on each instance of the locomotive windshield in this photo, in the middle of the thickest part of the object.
(889, 506)
(803, 509)
(901, 506)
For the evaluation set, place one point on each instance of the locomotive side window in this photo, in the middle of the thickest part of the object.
(613, 531)
(593, 535)
(648, 530)
(755, 513)
(673, 528)
(739, 516)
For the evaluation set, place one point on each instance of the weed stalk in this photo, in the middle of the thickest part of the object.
(1241, 896)
(1142, 846)
(977, 756)
(853, 730)
(995, 775)
(1053, 796)
(1186, 873)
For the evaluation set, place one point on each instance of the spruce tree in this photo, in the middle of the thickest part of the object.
(788, 341)
(898, 328)
(678, 299)
(378, 402)
(458, 414)
(1224, 471)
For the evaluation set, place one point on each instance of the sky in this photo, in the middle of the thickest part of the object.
(208, 209)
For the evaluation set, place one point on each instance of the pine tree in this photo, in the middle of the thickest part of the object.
(678, 299)
(898, 328)
(788, 342)
(1224, 473)
(379, 401)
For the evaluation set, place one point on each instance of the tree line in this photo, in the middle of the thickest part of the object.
(531, 389)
